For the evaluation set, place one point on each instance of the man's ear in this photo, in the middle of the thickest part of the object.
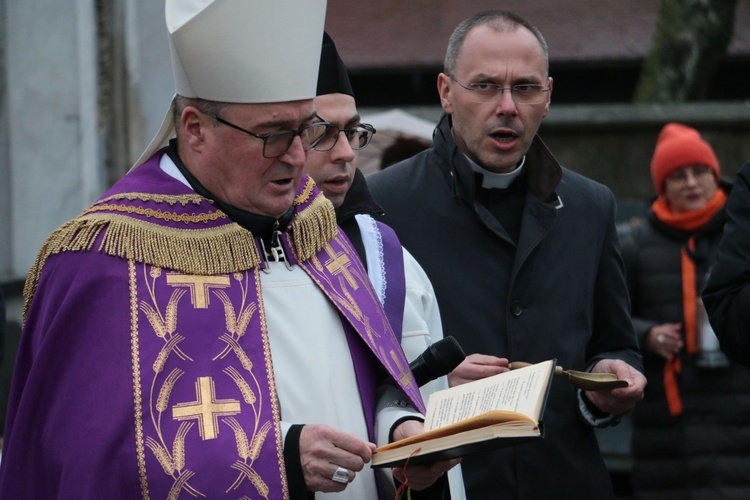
(549, 97)
(444, 89)
(194, 125)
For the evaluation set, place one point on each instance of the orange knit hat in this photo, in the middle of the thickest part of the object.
(679, 146)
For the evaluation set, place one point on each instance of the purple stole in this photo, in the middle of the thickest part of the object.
(206, 414)
(385, 266)
(339, 273)
(393, 263)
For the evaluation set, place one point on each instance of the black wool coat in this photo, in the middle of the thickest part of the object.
(727, 295)
(546, 283)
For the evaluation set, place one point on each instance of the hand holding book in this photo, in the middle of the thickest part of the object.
(496, 411)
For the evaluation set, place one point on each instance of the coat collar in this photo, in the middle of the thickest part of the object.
(544, 171)
(358, 200)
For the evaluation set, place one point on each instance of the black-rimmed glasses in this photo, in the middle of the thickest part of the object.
(277, 143)
(358, 137)
(523, 93)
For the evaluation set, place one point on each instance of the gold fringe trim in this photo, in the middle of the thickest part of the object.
(171, 199)
(313, 228)
(222, 250)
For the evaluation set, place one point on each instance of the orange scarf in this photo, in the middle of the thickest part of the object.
(689, 222)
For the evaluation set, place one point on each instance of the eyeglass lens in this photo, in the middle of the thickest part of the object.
(357, 137)
(278, 143)
(521, 93)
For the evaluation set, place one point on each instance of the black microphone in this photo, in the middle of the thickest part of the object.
(437, 360)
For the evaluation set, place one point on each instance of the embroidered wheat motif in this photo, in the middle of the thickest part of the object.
(258, 440)
(174, 493)
(243, 448)
(178, 447)
(238, 351)
(161, 455)
(154, 320)
(161, 359)
(253, 476)
(171, 315)
(247, 393)
(229, 315)
(245, 318)
(163, 400)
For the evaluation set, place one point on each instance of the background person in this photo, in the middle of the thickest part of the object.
(727, 295)
(691, 434)
(400, 282)
(522, 253)
(203, 329)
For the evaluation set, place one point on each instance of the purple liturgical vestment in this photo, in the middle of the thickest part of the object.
(145, 367)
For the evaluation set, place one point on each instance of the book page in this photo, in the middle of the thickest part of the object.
(519, 391)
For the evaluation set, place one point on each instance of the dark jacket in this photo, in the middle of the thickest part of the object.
(559, 292)
(705, 452)
(727, 296)
(357, 201)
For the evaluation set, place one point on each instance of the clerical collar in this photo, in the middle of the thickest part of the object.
(493, 180)
(261, 226)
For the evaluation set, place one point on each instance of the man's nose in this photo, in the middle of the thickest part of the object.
(295, 155)
(505, 104)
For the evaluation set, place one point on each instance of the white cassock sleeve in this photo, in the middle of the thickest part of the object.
(421, 328)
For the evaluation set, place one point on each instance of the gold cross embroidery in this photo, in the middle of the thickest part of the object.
(206, 408)
(404, 375)
(199, 286)
(339, 264)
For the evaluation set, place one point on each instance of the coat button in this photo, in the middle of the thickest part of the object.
(516, 309)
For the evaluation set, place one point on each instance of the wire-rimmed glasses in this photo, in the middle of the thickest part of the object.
(522, 93)
(277, 143)
(358, 137)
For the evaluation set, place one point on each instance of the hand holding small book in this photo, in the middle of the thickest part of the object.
(419, 477)
(500, 410)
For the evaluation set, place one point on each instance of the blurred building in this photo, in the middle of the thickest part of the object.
(394, 48)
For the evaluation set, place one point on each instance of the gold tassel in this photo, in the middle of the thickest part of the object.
(314, 227)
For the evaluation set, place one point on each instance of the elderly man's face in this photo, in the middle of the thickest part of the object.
(333, 170)
(231, 164)
(495, 134)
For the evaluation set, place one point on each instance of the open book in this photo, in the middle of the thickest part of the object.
(497, 411)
